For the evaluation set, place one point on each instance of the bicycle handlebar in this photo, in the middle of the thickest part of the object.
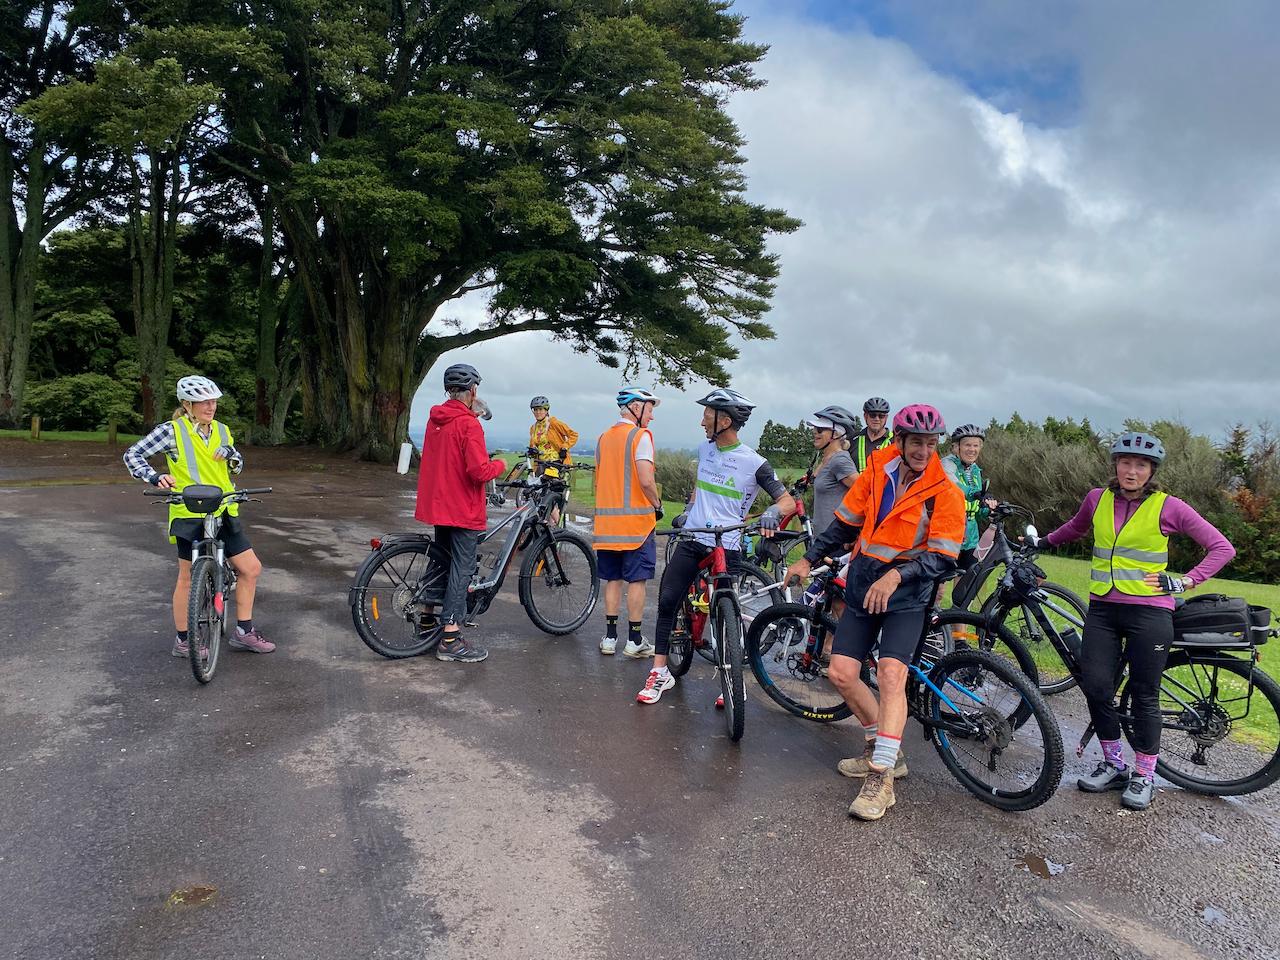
(690, 531)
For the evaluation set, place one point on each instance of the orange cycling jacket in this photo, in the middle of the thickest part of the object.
(920, 536)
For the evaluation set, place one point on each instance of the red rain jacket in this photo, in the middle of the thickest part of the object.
(455, 468)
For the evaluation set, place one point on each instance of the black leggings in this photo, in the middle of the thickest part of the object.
(461, 545)
(676, 578)
(1146, 633)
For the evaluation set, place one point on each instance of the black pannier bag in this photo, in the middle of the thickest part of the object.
(1215, 619)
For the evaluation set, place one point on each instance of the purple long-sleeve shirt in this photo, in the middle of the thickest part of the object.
(1175, 517)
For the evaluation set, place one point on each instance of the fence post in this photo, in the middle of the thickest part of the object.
(35, 426)
(111, 432)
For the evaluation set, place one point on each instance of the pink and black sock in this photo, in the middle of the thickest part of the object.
(1113, 753)
(1145, 764)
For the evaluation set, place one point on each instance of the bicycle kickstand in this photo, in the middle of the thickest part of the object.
(1084, 740)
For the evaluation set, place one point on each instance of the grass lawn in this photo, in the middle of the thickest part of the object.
(1260, 725)
(92, 436)
(582, 491)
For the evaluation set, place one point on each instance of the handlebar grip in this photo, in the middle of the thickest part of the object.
(254, 490)
(158, 493)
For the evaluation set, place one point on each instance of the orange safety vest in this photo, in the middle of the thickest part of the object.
(929, 516)
(624, 516)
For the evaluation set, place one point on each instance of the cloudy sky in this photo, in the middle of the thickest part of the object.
(1066, 209)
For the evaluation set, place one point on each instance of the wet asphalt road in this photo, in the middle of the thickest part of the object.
(323, 802)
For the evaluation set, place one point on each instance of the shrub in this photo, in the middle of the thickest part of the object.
(85, 401)
(676, 471)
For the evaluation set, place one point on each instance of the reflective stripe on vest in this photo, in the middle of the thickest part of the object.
(624, 516)
(195, 464)
(1122, 559)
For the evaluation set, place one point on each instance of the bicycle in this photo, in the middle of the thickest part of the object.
(402, 582)
(989, 724)
(1019, 611)
(213, 579)
(772, 555)
(712, 597)
(1208, 687)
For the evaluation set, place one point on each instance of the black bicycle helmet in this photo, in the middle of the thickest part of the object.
(731, 402)
(839, 417)
(967, 430)
(537, 402)
(1138, 444)
(461, 376)
(876, 405)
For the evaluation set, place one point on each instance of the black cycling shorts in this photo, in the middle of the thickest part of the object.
(898, 632)
(187, 531)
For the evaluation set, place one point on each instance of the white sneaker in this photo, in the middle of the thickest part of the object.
(638, 651)
(658, 682)
(608, 645)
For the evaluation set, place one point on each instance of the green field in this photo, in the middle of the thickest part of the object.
(92, 436)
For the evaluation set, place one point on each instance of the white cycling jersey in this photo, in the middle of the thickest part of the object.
(728, 480)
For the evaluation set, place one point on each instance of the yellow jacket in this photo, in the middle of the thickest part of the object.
(550, 436)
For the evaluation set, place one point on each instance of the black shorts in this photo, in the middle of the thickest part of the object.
(232, 535)
(898, 631)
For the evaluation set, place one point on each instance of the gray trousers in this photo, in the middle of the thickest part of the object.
(461, 545)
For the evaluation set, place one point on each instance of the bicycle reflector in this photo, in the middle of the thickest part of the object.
(375, 543)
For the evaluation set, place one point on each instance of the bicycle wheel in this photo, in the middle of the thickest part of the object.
(957, 629)
(387, 598)
(727, 622)
(1221, 721)
(968, 706)
(785, 647)
(680, 649)
(559, 582)
(204, 619)
(1022, 622)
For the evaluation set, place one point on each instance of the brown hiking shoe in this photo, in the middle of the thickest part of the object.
(857, 767)
(875, 797)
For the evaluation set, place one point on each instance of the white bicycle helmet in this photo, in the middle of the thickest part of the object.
(197, 388)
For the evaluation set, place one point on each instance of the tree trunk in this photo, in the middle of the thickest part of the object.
(278, 368)
(153, 237)
(19, 264)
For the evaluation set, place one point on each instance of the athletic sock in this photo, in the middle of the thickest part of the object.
(886, 752)
(1113, 753)
(1145, 764)
(182, 635)
(611, 628)
(244, 625)
(871, 731)
(633, 633)
(663, 671)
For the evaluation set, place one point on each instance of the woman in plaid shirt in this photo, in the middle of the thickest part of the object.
(197, 448)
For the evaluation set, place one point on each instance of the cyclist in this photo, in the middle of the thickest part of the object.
(835, 471)
(549, 437)
(730, 474)
(200, 449)
(451, 482)
(626, 512)
(1131, 605)
(874, 436)
(961, 465)
(908, 520)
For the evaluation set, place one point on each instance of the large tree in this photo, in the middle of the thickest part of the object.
(573, 158)
(46, 177)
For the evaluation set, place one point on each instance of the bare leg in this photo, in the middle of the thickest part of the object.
(181, 595)
(635, 601)
(845, 675)
(247, 567)
(612, 597)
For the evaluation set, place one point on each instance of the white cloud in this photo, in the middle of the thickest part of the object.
(956, 253)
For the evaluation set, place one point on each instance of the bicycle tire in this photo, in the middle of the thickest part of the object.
(205, 623)
(548, 562)
(751, 576)
(1263, 683)
(733, 685)
(761, 642)
(995, 729)
(1004, 640)
(366, 606)
(1030, 632)
(680, 646)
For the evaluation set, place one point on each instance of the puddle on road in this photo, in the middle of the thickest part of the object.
(1213, 916)
(1211, 839)
(192, 896)
(1042, 867)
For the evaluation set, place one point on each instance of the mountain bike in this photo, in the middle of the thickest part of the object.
(400, 585)
(773, 554)
(213, 579)
(989, 724)
(1020, 611)
(522, 480)
(1209, 686)
(712, 599)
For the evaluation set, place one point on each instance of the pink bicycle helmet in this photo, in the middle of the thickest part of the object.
(918, 418)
